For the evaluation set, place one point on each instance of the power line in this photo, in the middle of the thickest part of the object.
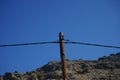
(66, 42)
(90, 44)
(24, 44)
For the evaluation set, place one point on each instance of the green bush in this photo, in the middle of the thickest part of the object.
(40, 76)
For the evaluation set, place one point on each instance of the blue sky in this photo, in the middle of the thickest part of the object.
(21, 21)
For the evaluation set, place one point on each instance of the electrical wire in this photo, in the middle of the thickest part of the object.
(54, 42)
(90, 44)
(23, 44)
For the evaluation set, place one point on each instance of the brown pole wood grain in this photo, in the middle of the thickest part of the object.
(61, 40)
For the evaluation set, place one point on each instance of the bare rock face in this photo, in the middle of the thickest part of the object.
(105, 68)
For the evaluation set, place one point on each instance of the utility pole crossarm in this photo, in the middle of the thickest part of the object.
(63, 60)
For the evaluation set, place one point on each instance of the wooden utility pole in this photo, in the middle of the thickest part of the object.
(61, 40)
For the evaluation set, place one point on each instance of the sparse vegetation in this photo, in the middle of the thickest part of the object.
(39, 76)
(105, 68)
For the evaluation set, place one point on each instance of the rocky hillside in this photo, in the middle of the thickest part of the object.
(105, 68)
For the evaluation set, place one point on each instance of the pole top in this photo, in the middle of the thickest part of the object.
(61, 33)
(61, 36)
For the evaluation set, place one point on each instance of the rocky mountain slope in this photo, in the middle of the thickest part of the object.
(105, 68)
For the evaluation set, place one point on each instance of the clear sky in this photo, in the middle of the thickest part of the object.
(21, 21)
